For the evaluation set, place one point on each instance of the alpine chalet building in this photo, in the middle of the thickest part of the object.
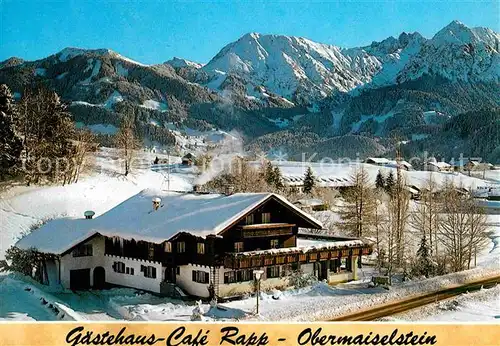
(201, 245)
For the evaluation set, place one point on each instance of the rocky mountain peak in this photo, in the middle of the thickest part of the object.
(177, 62)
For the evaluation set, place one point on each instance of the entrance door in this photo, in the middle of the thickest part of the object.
(322, 270)
(170, 274)
(99, 278)
(79, 279)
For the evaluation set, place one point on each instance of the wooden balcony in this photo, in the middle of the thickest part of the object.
(263, 258)
(265, 230)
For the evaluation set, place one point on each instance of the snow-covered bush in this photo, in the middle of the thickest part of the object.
(298, 279)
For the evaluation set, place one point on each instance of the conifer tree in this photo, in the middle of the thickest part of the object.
(379, 181)
(10, 142)
(278, 179)
(424, 265)
(308, 180)
(390, 182)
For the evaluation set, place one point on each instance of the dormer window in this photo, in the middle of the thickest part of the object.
(168, 246)
(181, 247)
(266, 217)
(200, 248)
(249, 219)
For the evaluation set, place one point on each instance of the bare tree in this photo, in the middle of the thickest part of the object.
(463, 229)
(46, 130)
(380, 226)
(83, 144)
(425, 216)
(477, 228)
(126, 140)
(360, 205)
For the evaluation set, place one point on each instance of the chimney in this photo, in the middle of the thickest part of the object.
(89, 214)
(228, 189)
(156, 203)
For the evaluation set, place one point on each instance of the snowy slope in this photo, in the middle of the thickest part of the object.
(24, 207)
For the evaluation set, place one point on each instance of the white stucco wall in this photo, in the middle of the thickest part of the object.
(138, 280)
(99, 259)
(68, 262)
(185, 280)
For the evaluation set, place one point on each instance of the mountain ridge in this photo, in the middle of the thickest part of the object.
(261, 85)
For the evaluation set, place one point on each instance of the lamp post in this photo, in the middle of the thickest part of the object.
(258, 274)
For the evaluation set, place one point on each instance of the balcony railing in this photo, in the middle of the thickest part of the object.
(265, 230)
(262, 258)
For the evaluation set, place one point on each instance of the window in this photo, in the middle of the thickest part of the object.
(181, 247)
(335, 265)
(149, 271)
(274, 243)
(200, 277)
(244, 275)
(131, 271)
(83, 250)
(266, 217)
(273, 272)
(238, 246)
(178, 270)
(151, 251)
(168, 246)
(200, 248)
(249, 219)
(119, 267)
(295, 266)
(343, 264)
(238, 276)
(229, 277)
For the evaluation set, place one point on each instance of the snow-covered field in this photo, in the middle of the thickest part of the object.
(23, 207)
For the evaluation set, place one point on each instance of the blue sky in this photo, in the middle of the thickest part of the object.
(153, 31)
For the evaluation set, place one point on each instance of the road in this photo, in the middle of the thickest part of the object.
(415, 302)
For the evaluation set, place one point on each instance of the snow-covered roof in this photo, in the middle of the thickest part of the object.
(440, 165)
(378, 160)
(310, 202)
(322, 181)
(197, 214)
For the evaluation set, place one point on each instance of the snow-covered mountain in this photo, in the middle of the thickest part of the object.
(302, 70)
(286, 91)
(458, 52)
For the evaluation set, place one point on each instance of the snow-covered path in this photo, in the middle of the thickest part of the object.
(481, 306)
